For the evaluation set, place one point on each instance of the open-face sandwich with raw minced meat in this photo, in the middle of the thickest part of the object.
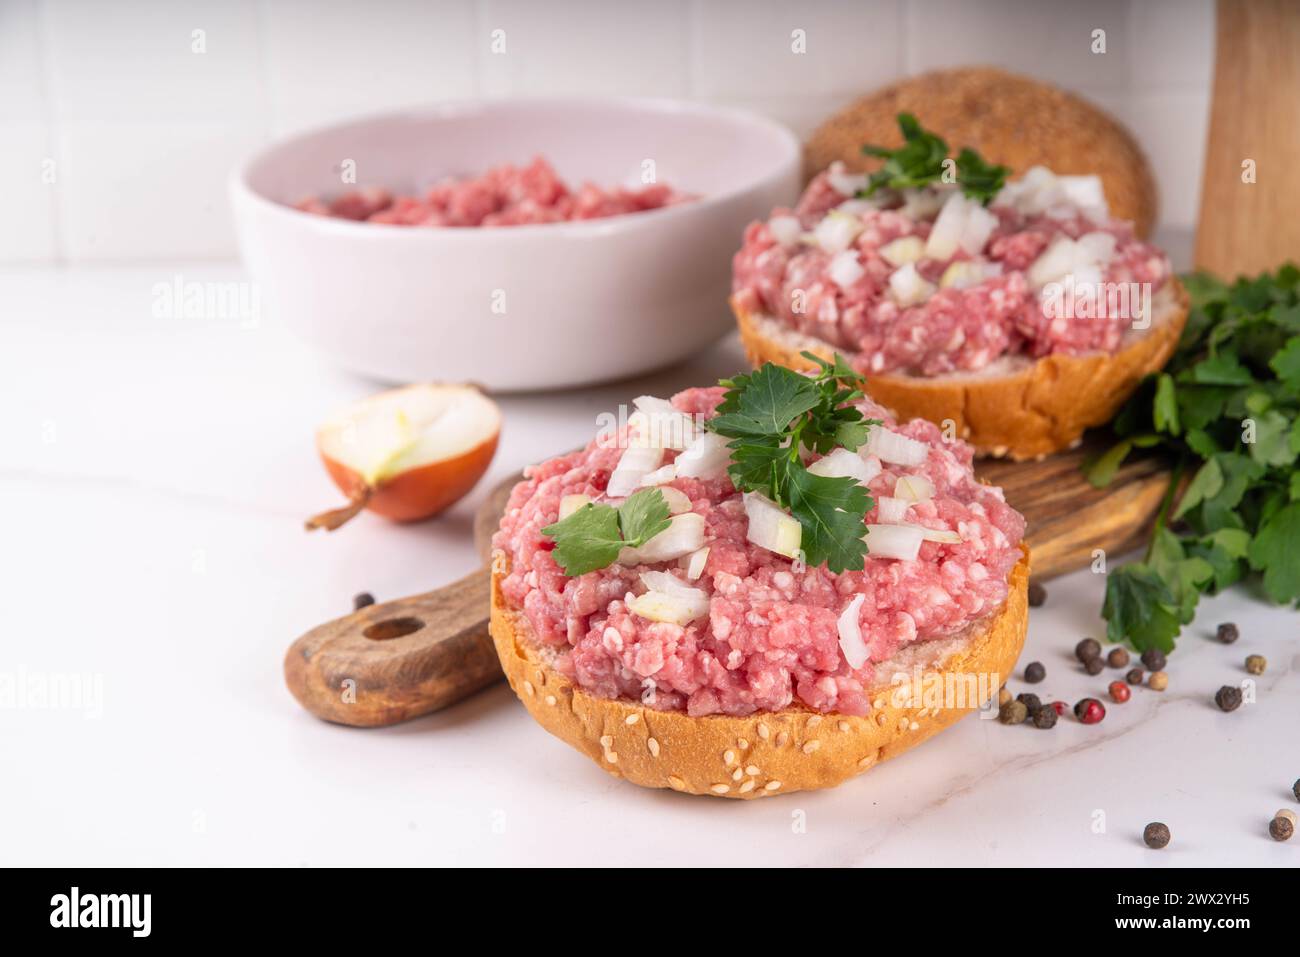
(1016, 314)
(757, 588)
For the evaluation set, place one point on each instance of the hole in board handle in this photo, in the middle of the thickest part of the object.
(391, 628)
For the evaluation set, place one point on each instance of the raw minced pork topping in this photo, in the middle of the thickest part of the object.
(767, 632)
(930, 282)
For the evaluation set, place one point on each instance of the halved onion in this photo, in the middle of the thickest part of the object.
(660, 476)
(571, 503)
(902, 251)
(908, 286)
(679, 607)
(696, 561)
(841, 463)
(845, 268)
(914, 488)
(894, 541)
(770, 527)
(705, 458)
(891, 510)
(684, 534)
(851, 643)
(895, 448)
(636, 463)
(678, 501)
(836, 232)
(786, 230)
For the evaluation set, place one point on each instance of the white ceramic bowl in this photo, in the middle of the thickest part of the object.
(583, 301)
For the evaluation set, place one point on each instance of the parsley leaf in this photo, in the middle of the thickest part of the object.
(592, 537)
(771, 416)
(921, 161)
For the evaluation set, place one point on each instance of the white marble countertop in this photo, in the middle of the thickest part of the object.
(154, 476)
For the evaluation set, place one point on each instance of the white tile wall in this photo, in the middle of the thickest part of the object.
(137, 129)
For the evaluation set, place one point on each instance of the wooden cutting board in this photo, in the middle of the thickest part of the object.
(401, 659)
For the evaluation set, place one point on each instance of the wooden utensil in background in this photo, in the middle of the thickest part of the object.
(1254, 118)
(401, 659)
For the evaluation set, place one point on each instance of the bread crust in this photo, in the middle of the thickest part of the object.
(1041, 408)
(1010, 119)
(758, 755)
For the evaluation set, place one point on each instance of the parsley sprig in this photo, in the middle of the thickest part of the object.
(920, 162)
(592, 537)
(1227, 410)
(773, 413)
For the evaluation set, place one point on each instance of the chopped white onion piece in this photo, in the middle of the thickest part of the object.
(635, 464)
(914, 488)
(978, 227)
(1099, 246)
(695, 563)
(872, 462)
(908, 287)
(845, 268)
(946, 234)
(662, 424)
(922, 203)
(786, 230)
(902, 251)
(844, 182)
(894, 541)
(678, 502)
(1055, 262)
(851, 643)
(666, 582)
(571, 503)
(659, 476)
(684, 534)
(770, 527)
(675, 607)
(947, 536)
(856, 207)
(836, 232)
(893, 447)
(1086, 192)
(705, 458)
(841, 463)
(891, 510)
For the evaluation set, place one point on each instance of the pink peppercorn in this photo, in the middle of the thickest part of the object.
(1089, 710)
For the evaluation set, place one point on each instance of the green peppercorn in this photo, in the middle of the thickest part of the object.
(1118, 658)
(1256, 664)
(1013, 712)
(1156, 835)
(1087, 649)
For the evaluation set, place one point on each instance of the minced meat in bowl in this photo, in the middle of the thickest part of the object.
(767, 633)
(928, 282)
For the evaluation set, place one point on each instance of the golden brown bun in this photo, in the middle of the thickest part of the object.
(772, 752)
(1009, 119)
(1034, 409)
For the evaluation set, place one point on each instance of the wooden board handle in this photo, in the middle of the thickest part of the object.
(397, 660)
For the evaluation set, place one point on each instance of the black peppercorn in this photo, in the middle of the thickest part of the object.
(1135, 676)
(1031, 702)
(1035, 672)
(1087, 649)
(1156, 835)
(1118, 658)
(1227, 633)
(1094, 666)
(362, 600)
(1037, 595)
(1228, 698)
(1154, 659)
(1280, 829)
(1295, 789)
(1045, 718)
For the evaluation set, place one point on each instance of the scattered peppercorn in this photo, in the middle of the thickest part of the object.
(1035, 672)
(1289, 815)
(1094, 666)
(1155, 835)
(1037, 595)
(1087, 649)
(1154, 659)
(1045, 718)
(1118, 658)
(1058, 707)
(1003, 696)
(1135, 676)
(1158, 681)
(1119, 691)
(1256, 664)
(1013, 712)
(1089, 710)
(1295, 789)
(1227, 633)
(1033, 704)
(361, 600)
(1228, 698)
(1280, 829)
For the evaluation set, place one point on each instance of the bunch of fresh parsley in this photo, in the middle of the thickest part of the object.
(920, 162)
(592, 537)
(773, 413)
(1227, 410)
